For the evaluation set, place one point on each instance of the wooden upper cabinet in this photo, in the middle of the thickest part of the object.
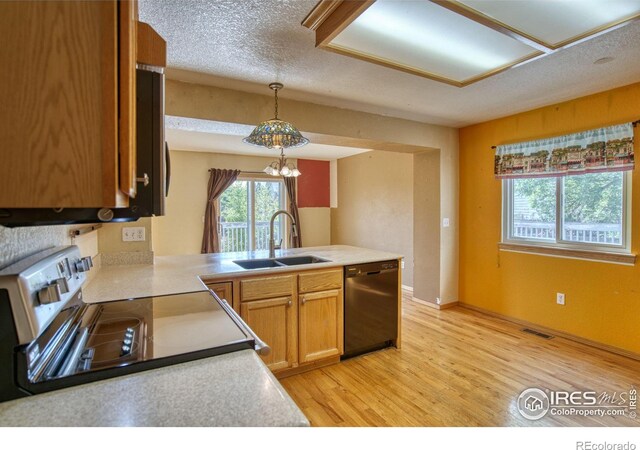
(128, 19)
(151, 48)
(67, 90)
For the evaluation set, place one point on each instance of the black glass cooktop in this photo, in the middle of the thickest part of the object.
(115, 338)
(158, 327)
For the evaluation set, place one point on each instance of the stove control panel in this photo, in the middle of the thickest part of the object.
(40, 286)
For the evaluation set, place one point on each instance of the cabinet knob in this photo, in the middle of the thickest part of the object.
(304, 300)
(289, 303)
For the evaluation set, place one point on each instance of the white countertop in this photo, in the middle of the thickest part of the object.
(235, 389)
(182, 273)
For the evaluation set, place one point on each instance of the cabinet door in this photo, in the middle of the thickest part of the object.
(59, 114)
(321, 325)
(223, 290)
(275, 322)
(127, 16)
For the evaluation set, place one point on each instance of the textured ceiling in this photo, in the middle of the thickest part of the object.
(246, 44)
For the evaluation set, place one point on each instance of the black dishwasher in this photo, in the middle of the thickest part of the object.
(370, 307)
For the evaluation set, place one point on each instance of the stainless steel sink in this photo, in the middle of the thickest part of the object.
(258, 263)
(297, 260)
(279, 262)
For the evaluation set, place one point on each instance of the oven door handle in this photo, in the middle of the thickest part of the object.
(261, 347)
(71, 365)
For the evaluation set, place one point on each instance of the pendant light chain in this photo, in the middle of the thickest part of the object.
(276, 94)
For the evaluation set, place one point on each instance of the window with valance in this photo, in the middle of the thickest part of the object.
(569, 191)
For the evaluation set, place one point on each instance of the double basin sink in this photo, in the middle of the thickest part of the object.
(279, 262)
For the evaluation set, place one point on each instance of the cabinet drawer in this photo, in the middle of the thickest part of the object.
(320, 281)
(268, 287)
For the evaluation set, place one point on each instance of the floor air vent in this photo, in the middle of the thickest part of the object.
(537, 333)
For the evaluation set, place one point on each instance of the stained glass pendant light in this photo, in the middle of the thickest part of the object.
(276, 133)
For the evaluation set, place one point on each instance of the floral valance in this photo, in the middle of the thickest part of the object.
(600, 150)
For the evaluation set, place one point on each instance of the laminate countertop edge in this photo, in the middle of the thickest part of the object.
(235, 389)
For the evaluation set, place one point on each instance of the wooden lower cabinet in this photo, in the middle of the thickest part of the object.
(275, 321)
(321, 325)
(299, 315)
(223, 290)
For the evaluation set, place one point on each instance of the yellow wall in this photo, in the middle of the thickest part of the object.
(602, 300)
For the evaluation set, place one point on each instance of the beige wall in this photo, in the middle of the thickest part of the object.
(449, 195)
(426, 225)
(179, 232)
(375, 204)
(110, 237)
(338, 126)
(316, 226)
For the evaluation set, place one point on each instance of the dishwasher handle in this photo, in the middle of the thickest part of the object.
(261, 347)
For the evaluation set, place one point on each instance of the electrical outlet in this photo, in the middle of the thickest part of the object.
(402, 264)
(560, 298)
(445, 222)
(133, 234)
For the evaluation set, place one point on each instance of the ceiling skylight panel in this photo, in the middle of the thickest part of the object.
(557, 22)
(422, 37)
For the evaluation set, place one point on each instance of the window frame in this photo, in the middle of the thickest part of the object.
(560, 242)
(251, 179)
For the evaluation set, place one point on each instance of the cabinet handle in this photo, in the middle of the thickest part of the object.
(304, 300)
(144, 179)
(289, 303)
(261, 347)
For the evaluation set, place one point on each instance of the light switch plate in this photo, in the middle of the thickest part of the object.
(133, 234)
(445, 222)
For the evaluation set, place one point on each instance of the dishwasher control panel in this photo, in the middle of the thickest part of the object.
(370, 268)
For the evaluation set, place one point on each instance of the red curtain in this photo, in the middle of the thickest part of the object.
(219, 181)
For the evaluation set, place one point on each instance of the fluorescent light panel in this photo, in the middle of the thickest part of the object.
(425, 37)
(554, 22)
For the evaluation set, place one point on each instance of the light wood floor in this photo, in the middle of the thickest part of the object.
(458, 368)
